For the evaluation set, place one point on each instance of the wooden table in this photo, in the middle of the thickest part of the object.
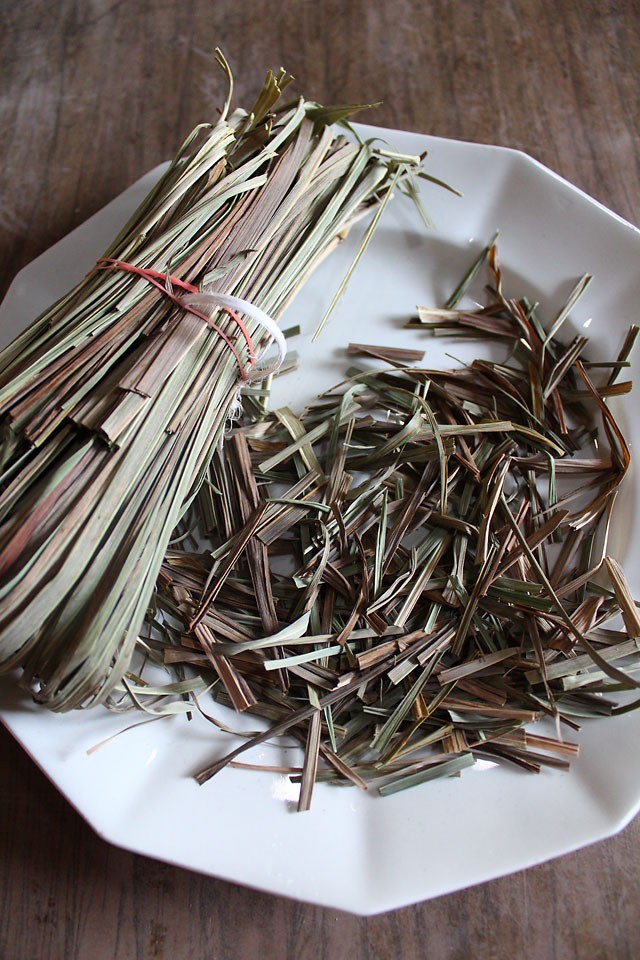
(95, 93)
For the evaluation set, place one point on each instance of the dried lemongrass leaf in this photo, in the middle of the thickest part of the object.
(443, 768)
(624, 597)
(310, 768)
(395, 355)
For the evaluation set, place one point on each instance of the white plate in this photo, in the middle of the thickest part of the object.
(352, 851)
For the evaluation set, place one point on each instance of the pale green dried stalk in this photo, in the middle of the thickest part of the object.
(113, 402)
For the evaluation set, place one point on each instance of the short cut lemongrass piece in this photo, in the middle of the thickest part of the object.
(438, 570)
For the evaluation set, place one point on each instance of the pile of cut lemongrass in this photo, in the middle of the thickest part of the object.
(407, 576)
(113, 401)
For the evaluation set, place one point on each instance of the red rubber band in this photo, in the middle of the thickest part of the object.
(146, 272)
(155, 276)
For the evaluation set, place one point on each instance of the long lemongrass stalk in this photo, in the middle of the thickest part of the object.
(113, 401)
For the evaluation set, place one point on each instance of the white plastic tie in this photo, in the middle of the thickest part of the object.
(210, 299)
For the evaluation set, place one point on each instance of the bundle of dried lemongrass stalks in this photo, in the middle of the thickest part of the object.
(113, 401)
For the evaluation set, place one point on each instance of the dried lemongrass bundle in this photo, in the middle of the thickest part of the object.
(451, 582)
(113, 402)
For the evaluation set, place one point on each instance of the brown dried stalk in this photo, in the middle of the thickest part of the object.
(445, 548)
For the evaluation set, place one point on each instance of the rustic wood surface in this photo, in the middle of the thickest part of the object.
(93, 94)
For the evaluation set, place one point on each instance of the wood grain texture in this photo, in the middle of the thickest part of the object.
(93, 94)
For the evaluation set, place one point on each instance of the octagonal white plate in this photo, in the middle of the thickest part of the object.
(353, 851)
